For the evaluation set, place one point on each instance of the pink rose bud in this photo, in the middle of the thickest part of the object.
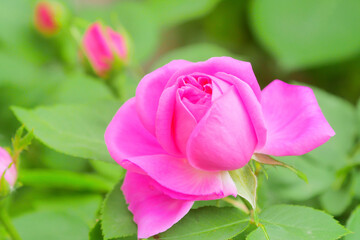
(10, 175)
(191, 123)
(105, 49)
(49, 17)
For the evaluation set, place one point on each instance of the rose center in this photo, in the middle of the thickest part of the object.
(200, 82)
(195, 92)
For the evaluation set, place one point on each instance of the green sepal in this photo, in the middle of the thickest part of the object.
(266, 159)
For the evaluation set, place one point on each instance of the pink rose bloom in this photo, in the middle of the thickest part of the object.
(191, 123)
(104, 47)
(47, 17)
(5, 161)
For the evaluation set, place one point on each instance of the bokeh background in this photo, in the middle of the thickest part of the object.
(316, 43)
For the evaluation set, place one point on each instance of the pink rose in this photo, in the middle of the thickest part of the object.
(190, 123)
(104, 48)
(48, 17)
(11, 173)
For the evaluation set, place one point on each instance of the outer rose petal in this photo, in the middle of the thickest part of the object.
(225, 138)
(251, 104)
(179, 176)
(149, 91)
(5, 161)
(118, 43)
(240, 69)
(154, 212)
(126, 137)
(97, 49)
(294, 120)
(164, 121)
(184, 123)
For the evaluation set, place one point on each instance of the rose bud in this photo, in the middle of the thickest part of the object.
(190, 124)
(49, 16)
(105, 49)
(8, 173)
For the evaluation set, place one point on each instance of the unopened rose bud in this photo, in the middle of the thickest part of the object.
(8, 173)
(49, 17)
(105, 49)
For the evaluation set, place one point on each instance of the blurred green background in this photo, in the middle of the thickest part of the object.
(315, 43)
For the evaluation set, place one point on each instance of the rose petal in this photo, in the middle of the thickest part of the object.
(184, 123)
(97, 49)
(294, 120)
(179, 176)
(126, 137)
(5, 161)
(252, 105)
(118, 43)
(240, 69)
(154, 212)
(225, 138)
(219, 88)
(164, 121)
(150, 89)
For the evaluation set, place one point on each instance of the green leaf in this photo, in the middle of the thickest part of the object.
(194, 53)
(170, 13)
(353, 224)
(297, 32)
(208, 223)
(60, 179)
(246, 184)
(117, 220)
(77, 130)
(96, 233)
(297, 223)
(356, 184)
(50, 225)
(92, 90)
(335, 201)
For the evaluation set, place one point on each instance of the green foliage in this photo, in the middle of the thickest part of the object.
(246, 184)
(76, 130)
(297, 223)
(169, 13)
(336, 201)
(92, 90)
(353, 225)
(108, 170)
(96, 233)
(116, 220)
(208, 223)
(51, 225)
(302, 34)
(59, 179)
(193, 53)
